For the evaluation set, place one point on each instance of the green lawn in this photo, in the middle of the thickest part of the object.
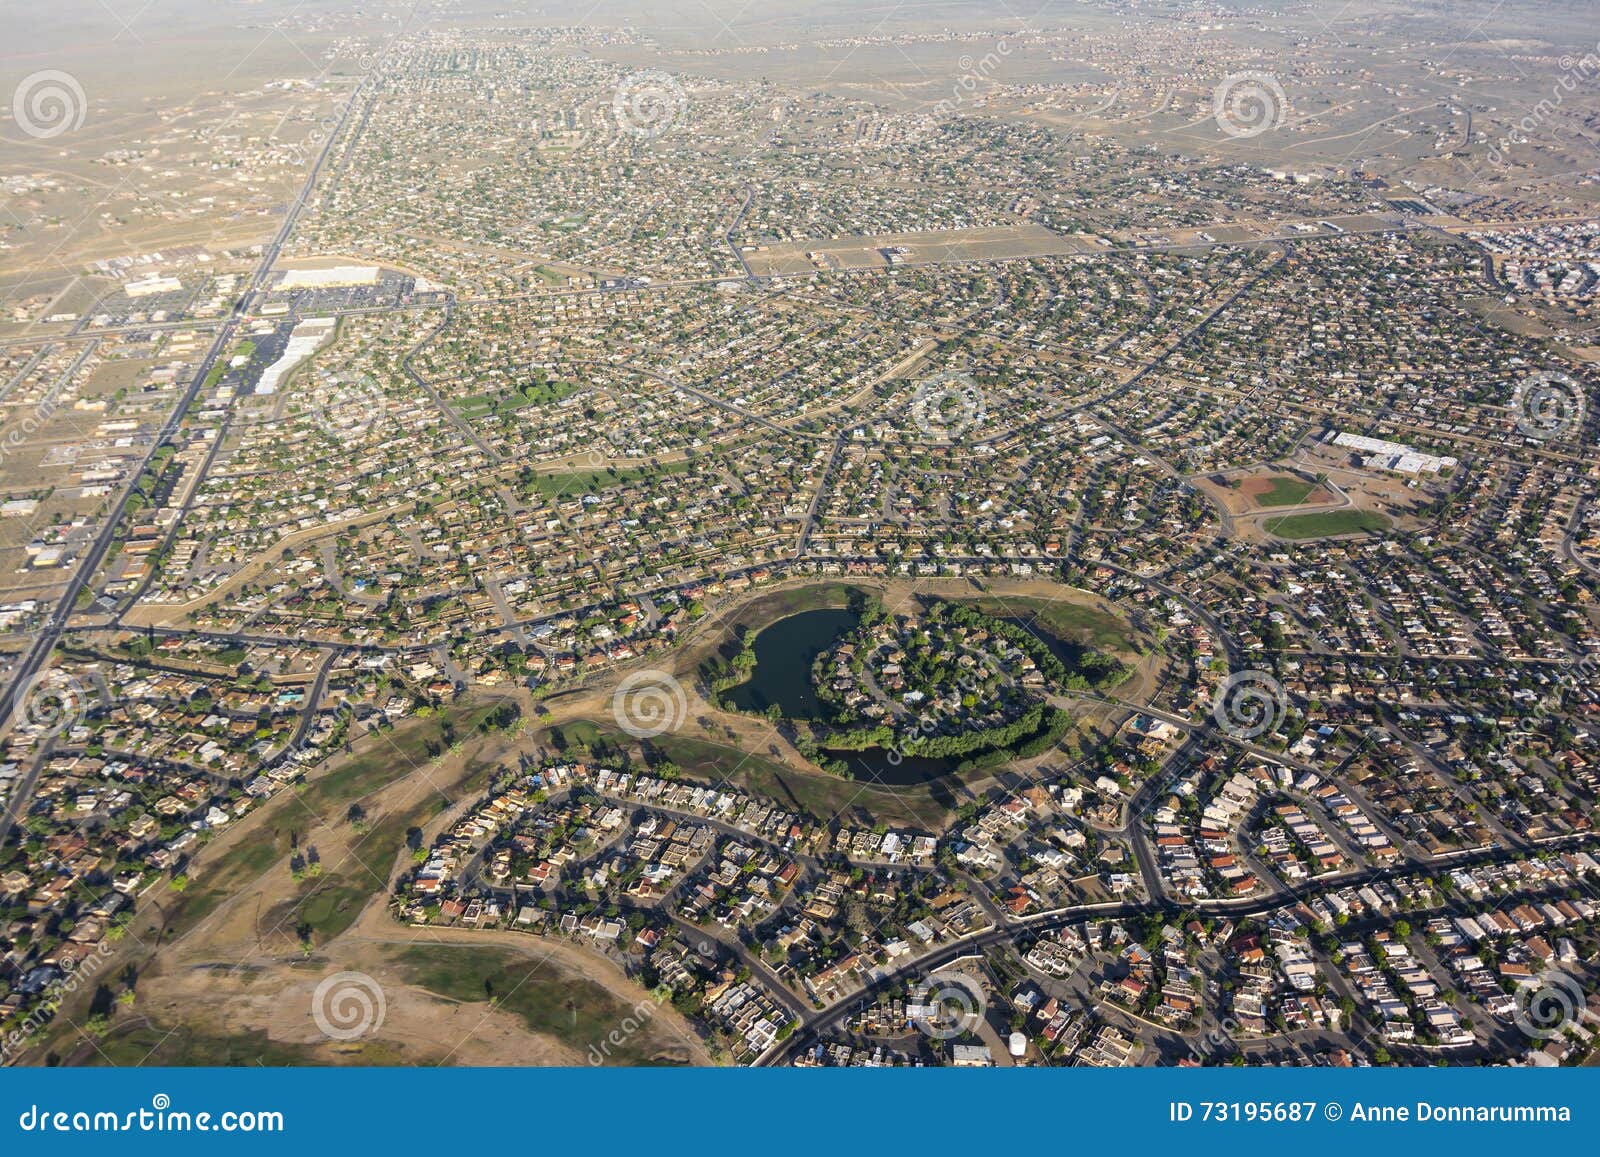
(159, 1044)
(1327, 524)
(549, 999)
(811, 597)
(815, 793)
(581, 732)
(330, 903)
(536, 394)
(1286, 491)
(334, 898)
(1074, 622)
(584, 481)
(386, 758)
(334, 905)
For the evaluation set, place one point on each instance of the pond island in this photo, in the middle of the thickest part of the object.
(904, 695)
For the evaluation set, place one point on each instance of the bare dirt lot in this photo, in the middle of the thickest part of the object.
(1251, 492)
(228, 968)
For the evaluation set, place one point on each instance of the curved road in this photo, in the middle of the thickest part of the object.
(44, 642)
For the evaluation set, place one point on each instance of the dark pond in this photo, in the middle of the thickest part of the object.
(785, 651)
(875, 765)
(784, 654)
(1070, 654)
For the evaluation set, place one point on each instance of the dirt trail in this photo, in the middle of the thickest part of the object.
(242, 967)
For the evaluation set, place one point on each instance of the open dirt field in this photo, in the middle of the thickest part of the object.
(228, 968)
(1277, 490)
(241, 951)
(1245, 494)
